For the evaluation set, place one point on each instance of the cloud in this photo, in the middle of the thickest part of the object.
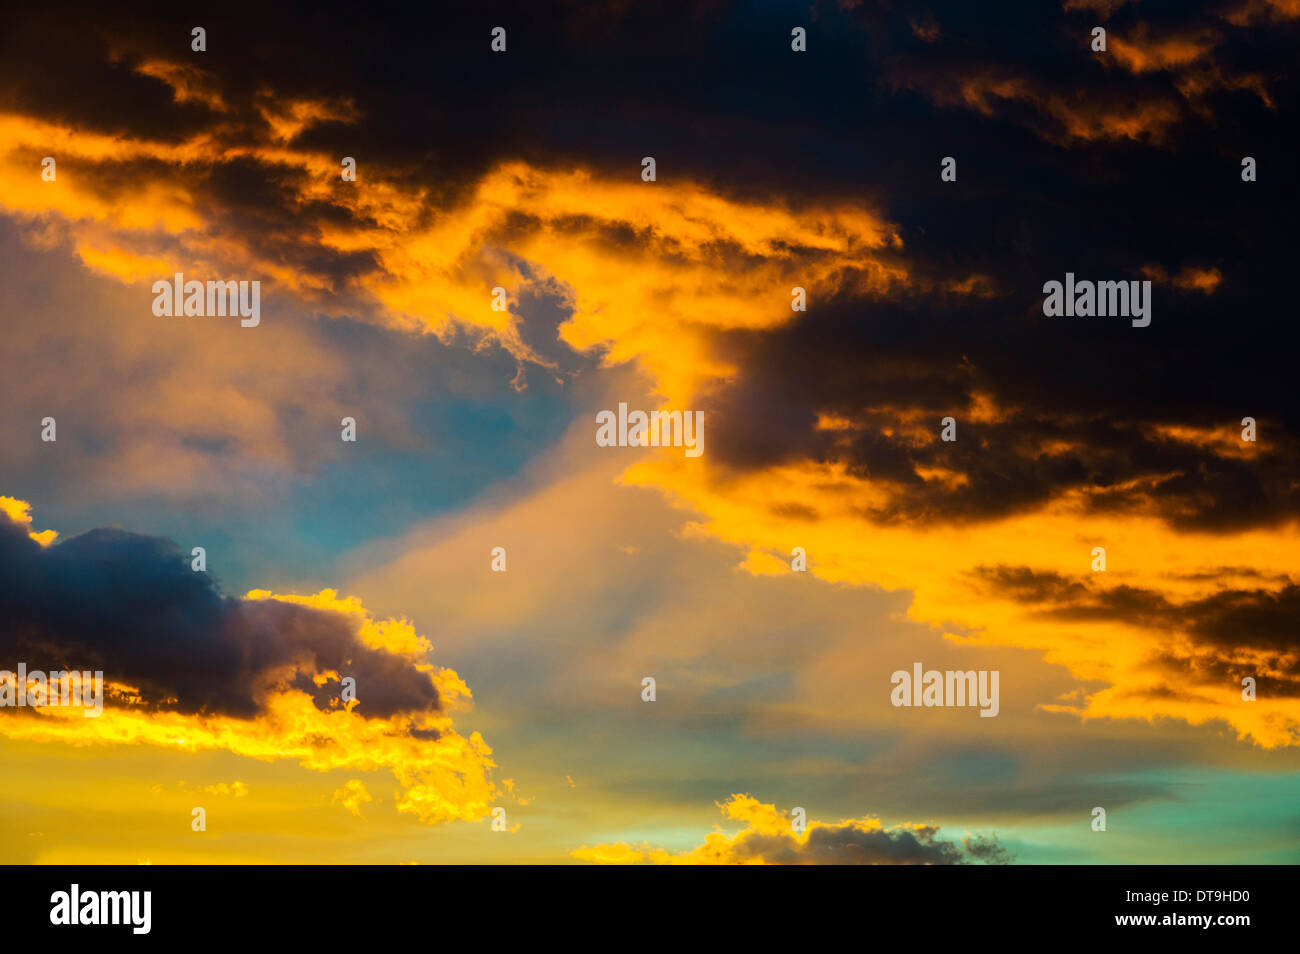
(822, 425)
(235, 789)
(1145, 52)
(188, 667)
(612, 249)
(1058, 116)
(1165, 593)
(19, 514)
(1190, 278)
(129, 604)
(767, 837)
(1262, 11)
(353, 795)
(1209, 642)
(1172, 69)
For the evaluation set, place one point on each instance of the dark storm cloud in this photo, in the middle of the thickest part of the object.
(260, 202)
(1024, 211)
(1082, 403)
(854, 844)
(582, 83)
(1221, 625)
(712, 90)
(131, 606)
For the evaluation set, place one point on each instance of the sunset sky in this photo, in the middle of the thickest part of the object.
(476, 428)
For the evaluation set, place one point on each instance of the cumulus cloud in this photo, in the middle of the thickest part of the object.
(767, 837)
(187, 666)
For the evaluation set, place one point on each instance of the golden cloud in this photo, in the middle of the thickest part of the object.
(19, 511)
(701, 262)
(1135, 663)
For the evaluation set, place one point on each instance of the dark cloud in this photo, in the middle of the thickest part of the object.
(1029, 585)
(1222, 626)
(710, 87)
(714, 93)
(1082, 404)
(855, 844)
(1207, 668)
(1259, 618)
(131, 606)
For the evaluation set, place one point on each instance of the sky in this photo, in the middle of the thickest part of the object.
(425, 636)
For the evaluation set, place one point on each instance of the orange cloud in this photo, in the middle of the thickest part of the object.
(1064, 118)
(188, 83)
(933, 559)
(1189, 278)
(1145, 53)
(1067, 115)
(19, 511)
(1263, 11)
(701, 262)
